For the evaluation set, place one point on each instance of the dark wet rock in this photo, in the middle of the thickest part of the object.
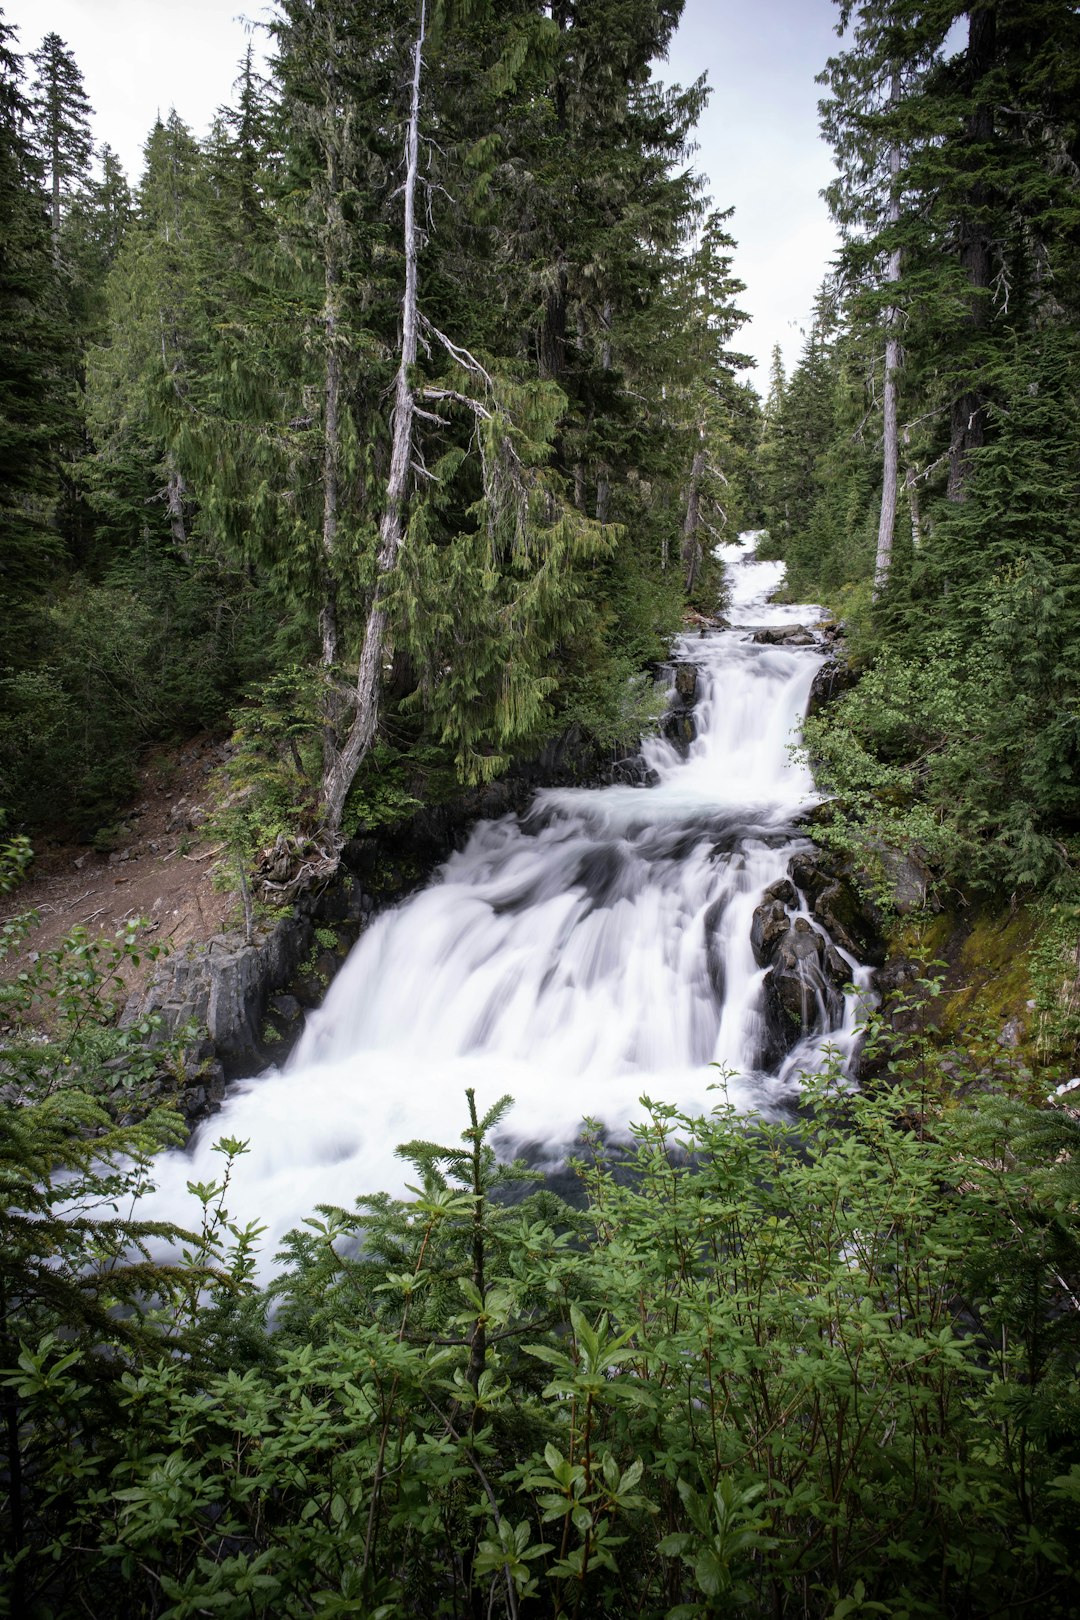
(801, 992)
(784, 635)
(809, 873)
(851, 918)
(771, 920)
(680, 729)
(783, 889)
(633, 773)
(769, 926)
(285, 1007)
(835, 677)
(839, 910)
(686, 683)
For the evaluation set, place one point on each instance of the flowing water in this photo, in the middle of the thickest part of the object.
(579, 957)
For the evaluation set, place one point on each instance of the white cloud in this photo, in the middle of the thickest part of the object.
(760, 148)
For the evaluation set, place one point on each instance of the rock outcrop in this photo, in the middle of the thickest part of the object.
(804, 983)
(784, 635)
(835, 677)
(678, 724)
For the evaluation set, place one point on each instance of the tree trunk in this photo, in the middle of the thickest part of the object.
(55, 210)
(691, 545)
(603, 479)
(913, 506)
(338, 778)
(328, 623)
(331, 400)
(175, 490)
(890, 457)
(552, 356)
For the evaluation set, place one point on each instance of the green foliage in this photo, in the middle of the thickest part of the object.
(16, 856)
(963, 737)
(963, 742)
(60, 1009)
(819, 1370)
(266, 783)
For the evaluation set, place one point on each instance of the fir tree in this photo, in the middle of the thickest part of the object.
(61, 112)
(31, 360)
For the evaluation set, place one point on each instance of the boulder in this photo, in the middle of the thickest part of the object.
(908, 877)
(835, 677)
(810, 875)
(771, 921)
(770, 924)
(839, 911)
(785, 635)
(803, 989)
(686, 683)
(680, 729)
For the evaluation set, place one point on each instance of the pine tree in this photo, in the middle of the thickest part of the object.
(31, 362)
(61, 112)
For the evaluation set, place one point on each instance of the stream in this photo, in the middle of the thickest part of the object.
(591, 951)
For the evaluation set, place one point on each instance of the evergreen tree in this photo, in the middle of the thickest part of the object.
(61, 112)
(31, 359)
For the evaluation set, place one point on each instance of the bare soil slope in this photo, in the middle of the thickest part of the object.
(160, 868)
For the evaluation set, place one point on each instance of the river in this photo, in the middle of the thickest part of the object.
(592, 951)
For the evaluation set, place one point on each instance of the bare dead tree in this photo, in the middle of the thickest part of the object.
(890, 451)
(339, 772)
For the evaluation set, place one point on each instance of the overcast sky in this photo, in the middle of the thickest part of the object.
(759, 144)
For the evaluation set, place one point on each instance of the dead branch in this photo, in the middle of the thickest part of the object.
(458, 352)
(474, 405)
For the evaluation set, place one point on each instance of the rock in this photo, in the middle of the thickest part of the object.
(771, 921)
(835, 677)
(784, 635)
(1012, 1033)
(783, 889)
(769, 926)
(222, 988)
(185, 817)
(632, 773)
(809, 876)
(686, 682)
(839, 911)
(286, 1007)
(79, 862)
(908, 877)
(679, 728)
(801, 989)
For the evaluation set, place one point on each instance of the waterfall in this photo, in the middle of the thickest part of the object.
(595, 950)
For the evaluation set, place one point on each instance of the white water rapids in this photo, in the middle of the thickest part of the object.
(592, 951)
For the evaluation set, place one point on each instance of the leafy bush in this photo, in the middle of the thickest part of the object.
(819, 1369)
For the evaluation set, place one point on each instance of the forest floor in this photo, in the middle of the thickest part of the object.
(160, 867)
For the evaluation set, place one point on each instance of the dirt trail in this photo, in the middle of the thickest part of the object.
(160, 869)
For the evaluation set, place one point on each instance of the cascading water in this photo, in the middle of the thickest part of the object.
(592, 951)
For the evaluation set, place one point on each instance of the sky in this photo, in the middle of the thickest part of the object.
(759, 146)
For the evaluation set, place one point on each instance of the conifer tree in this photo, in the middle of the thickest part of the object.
(31, 360)
(61, 112)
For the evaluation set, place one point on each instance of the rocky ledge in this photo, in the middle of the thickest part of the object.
(795, 932)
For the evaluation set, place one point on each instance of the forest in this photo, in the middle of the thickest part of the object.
(390, 431)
